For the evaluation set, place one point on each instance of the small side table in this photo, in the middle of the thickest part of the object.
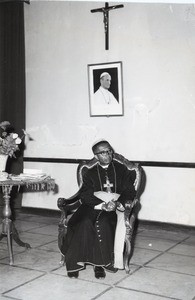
(8, 227)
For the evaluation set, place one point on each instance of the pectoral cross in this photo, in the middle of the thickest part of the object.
(108, 185)
(105, 10)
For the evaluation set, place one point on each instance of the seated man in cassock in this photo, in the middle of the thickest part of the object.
(91, 229)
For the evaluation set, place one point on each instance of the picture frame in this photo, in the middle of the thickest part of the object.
(105, 89)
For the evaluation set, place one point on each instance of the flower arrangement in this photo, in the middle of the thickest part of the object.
(9, 140)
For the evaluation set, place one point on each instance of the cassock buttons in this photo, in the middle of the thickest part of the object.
(98, 231)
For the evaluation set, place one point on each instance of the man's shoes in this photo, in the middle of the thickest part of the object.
(111, 268)
(99, 272)
(73, 274)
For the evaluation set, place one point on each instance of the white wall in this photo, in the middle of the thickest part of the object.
(156, 44)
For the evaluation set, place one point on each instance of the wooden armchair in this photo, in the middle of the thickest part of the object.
(68, 206)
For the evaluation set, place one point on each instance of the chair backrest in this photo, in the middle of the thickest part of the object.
(85, 165)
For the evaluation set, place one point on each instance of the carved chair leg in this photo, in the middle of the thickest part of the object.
(62, 231)
(62, 261)
(127, 254)
(128, 244)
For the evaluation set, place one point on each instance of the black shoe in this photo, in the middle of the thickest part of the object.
(73, 274)
(99, 272)
(111, 268)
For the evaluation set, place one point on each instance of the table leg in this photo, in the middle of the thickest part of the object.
(9, 244)
(8, 228)
(6, 224)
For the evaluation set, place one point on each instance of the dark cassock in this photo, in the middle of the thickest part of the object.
(91, 231)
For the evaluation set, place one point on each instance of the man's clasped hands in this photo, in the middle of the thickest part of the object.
(109, 206)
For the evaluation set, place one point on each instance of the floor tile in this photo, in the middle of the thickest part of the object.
(34, 239)
(153, 243)
(52, 287)
(47, 229)
(36, 260)
(161, 283)
(53, 246)
(164, 234)
(162, 266)
(12, 277)
(175, 263)
(5, 298)
(3, 253)
(190, 240)
(15, 247)
(22, 225)
(117, 293)
(39, 219)
(143, 256)
(184, 249)
(88, 274)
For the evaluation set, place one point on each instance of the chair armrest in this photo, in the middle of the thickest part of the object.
(67, 206)
(70, 203)
(129, 205)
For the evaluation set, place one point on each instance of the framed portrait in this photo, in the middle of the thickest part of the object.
(105, 89)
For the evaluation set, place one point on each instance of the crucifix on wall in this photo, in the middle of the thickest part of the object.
(105, 10)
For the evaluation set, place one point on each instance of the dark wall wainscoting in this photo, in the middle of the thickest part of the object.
(187, 165)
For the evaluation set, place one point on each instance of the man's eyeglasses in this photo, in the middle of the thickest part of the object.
(105, 152)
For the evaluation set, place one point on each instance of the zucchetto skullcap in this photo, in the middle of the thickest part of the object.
(104, 74)
(99, 141)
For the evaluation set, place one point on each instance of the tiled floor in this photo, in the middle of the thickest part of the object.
(162, 267)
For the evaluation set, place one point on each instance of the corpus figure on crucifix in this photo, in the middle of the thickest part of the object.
(93, 235)
(105, 10)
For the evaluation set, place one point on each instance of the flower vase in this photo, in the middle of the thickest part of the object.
(3, 162)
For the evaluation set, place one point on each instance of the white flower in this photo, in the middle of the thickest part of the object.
(14, 135)
(18, 141)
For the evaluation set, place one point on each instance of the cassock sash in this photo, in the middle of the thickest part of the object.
(106, 197)
(120, 228)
